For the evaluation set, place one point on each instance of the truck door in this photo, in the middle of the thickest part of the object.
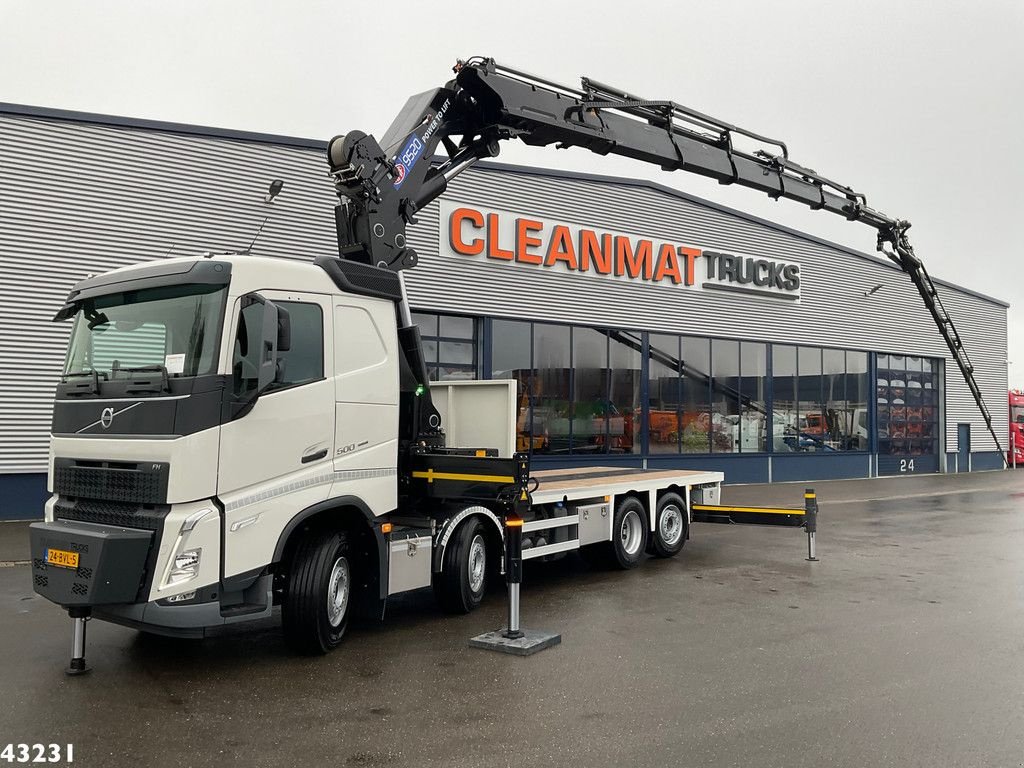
(276, 460)
(366, 386)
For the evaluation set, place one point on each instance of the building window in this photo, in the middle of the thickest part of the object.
(754, 387)
(552, 394)
(851, 413)
(725, 396)
(696, 360)
(784, 401)
(589, 411)
(449, 345)
(813, 433)
(625, 356)
(511, 356)
(664, 394)
(578, 388)
(908, 400)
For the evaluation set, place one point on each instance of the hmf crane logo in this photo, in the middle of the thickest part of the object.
(539, 243)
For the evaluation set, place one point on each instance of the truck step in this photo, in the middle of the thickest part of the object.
(550, 549)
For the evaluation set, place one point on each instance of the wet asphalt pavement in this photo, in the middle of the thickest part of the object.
(904, 646)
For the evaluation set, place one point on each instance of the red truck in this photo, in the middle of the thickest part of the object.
(1015, 456)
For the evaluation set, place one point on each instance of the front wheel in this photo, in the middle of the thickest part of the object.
(318, 599)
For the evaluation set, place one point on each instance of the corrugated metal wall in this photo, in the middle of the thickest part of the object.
(79, 198)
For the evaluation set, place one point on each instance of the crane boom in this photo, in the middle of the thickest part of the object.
(382, 185)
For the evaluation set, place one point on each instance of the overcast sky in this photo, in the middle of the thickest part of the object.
(916, 104)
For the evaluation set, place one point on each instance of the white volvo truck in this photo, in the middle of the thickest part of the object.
(233, 432)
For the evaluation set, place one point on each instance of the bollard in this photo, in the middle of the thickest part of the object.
(513, 572)
(79, 617)
(811, 522)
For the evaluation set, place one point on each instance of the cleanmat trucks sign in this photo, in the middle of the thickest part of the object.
(525, 242)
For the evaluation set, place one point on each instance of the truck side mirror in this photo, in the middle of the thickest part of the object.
(267, 360)
(284, 330)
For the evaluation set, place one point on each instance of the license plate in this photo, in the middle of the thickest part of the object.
(62, 558)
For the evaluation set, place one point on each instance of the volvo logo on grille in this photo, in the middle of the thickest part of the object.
(106, 418)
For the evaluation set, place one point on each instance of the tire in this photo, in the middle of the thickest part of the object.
(622, 552)
(318, 599)
(670, 526)
(462, 582)
(629, 533)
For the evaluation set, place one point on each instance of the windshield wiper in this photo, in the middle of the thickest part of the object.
(161, 384)
(91, 387)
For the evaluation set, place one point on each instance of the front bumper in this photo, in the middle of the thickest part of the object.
(111, 562)
(190, 619)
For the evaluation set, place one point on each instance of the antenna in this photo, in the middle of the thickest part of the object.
(272, 192)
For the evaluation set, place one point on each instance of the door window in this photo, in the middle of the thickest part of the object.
(301, 364)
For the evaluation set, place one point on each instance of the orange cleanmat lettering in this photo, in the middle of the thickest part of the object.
(475, 246)
(561, 248)
(668, 265)
(691, 255)
(524, 240)
(633, 263)
(494, 249)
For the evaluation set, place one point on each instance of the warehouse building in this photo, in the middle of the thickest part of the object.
(646, 327)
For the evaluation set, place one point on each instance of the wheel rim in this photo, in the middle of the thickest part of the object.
(338, 591)
(477, 566)
(631, 533)
(670, 526)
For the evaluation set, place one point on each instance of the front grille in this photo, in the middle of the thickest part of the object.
(143, 483)
(149, 518)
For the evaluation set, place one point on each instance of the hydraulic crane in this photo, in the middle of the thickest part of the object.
(381, 185)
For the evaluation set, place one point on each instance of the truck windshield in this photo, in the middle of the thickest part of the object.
(1017, 414)
(174, 328)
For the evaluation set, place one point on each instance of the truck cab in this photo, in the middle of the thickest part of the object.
(208, 405)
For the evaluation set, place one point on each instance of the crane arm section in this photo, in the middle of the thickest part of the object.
(382, 185)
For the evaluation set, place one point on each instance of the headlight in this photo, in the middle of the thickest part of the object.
(186, 566)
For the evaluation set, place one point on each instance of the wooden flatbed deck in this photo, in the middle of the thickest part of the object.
(583, 482)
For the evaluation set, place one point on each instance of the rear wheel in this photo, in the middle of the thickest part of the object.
(629, 533)
(669, 526)
(629, 538)
(461, 584)
(318, 600)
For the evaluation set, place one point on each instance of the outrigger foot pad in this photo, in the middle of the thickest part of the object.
(77, 667)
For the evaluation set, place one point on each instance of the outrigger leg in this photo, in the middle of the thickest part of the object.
(79, 617)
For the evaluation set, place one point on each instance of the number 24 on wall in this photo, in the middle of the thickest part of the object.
(906, 465)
